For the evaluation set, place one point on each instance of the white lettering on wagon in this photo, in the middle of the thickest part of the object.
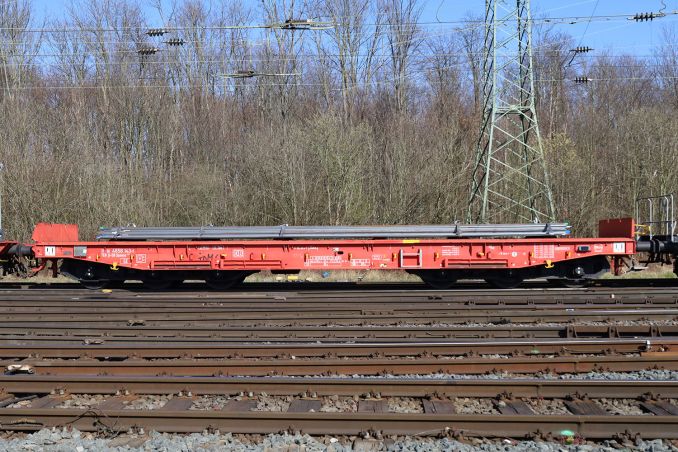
(618, 247)
(116, 252)
(238, 253)
(360, 262)
(324, 260)
(544, 251)
(450, 251)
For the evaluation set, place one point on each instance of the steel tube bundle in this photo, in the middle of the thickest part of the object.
(334, 232)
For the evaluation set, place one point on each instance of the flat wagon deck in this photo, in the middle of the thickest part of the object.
(504, 255)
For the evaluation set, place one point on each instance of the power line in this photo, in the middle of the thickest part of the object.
(131, 51)
(356, 85)
(570, 20)
(300, 58)
(579, 46)
(90, 53)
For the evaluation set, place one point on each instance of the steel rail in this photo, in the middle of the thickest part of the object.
(63, 307)
(345, 290)
(65, 349)
(366, 317)
(317, 387)
(598, 427)
(170, 304)
(305, 293)
(311, 292)
(365, 366)
(320, 287)
(37, 332)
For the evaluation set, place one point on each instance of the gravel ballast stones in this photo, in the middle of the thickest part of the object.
(63, 440)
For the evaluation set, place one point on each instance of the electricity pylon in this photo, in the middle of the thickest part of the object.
(510, 180)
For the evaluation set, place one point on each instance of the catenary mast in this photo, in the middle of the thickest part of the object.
(510, 180)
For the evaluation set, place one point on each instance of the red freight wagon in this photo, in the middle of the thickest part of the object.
(503, 255)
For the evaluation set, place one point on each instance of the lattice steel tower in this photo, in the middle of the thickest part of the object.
(510, 181)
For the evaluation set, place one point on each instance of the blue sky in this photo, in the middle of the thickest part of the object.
(619, 36)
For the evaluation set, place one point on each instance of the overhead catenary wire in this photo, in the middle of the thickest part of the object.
(571, 20)
(251, 61)
(350, 86)
(305, 55)
(357, 85)
(250, 73)
(99, 43)
(242, 61)
(579, 45)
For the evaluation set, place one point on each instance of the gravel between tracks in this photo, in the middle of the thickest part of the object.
(648, 375)
(434, 325)
(57, 440)
(334, 404)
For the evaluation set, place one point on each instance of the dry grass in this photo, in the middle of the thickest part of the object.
(645, 274)
(39, 279)
(337, 276)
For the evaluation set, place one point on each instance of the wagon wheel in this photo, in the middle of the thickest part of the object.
(438, 279)
(158, 284)
(571, 283)
(95, 284)
(504, 281)
(221, 283)
(226, 280)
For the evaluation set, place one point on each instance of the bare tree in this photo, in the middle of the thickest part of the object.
(18, 44)
(402, 32)
(350, 46)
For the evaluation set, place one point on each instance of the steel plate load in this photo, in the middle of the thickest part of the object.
(335, 232)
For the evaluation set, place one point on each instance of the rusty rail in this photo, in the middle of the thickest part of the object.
(318, 387)
(37, 333)
(376, 424)
(64, 349)
(365, 366)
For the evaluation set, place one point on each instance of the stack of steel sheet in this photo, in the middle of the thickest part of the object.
(335, 232)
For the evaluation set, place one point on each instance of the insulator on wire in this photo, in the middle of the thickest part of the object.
(645, 17)
(248, 73)
(297, 23)
(175, 42)
(301, 24)
(148, 51)
(581, 49)
(583, 80)
(157, 32)
(245, 73)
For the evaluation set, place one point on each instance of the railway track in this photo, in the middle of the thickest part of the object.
(367, 424)
(364, 319)
(38, 309)
(293, 366)
(65, 349)
(307, 387)
(357, 286)
(128, 334)
(152, 360)
(520, 408)
(370, 293)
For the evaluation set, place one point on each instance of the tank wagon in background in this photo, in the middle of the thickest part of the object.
(502, 254)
